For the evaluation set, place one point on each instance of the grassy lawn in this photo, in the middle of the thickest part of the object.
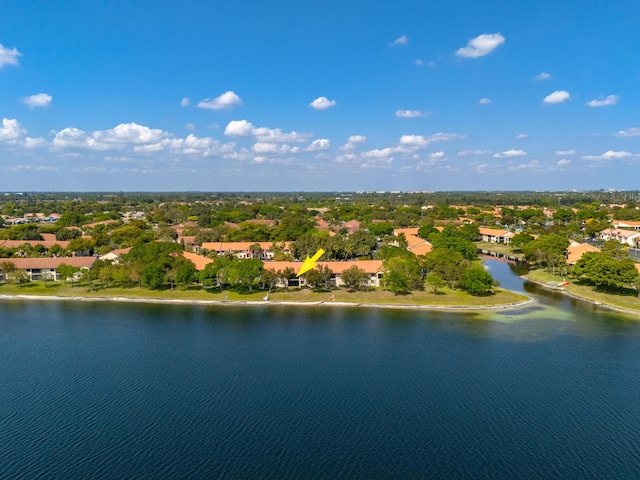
(498, 247)
(445, 297)
(627, 298)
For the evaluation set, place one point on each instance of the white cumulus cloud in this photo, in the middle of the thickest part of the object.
(71, 137)
(227, 100)
(608, 155)
(185, 102)
(139, 137)
(510, 153)
(604, 102)
(522, 135)
(10, 130)
(378, 153)
(322, 103)
(631, 132)
(129, 133)
(31, 142)
(403, 40)
(558, 96)
(473, 153)
(419, 141)
(263, 148)
(243, 128)
(484, 101)
(563, 162)
(8, 56)
(414, 140)
(352, 142)
(564, 153)
(238, 128)
(542, 76)
(410, 113)
(481, 45)
(444, 137)
(265, 134)
(38, 100)
(319, 144)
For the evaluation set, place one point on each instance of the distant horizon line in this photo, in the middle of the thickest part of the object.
(358, 192)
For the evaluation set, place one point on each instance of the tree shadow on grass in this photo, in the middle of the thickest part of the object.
(617, 291)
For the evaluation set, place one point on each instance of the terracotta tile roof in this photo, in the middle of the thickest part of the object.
(121, 251)
(421, 249)
(48, 237)
(198, 260)
(369, 266)
(406, 231)
(47, 262)
(493, 232)
(188, 239)
(574, 253)
(620, 233)
(240, 246)
(46, 244)
(351, 226)
(625, 223)
(413, 241)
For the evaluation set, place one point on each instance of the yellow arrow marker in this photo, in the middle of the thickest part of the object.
(310, 263)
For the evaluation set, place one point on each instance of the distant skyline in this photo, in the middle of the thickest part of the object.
(319, 95)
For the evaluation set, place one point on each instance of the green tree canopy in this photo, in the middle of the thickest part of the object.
(603, 270)
(453, 239)
(406, 267)
(354, 277)
(477, 281)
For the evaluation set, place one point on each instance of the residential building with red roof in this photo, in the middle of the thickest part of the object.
(39, 268)
(629, 237)
(626, 224)
(373, 269)
(198, 260)
(493, 235)
(577, 250)
(243, 249)
(45, 243)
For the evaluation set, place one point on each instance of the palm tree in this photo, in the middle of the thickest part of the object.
(255, 250)
(285, 275)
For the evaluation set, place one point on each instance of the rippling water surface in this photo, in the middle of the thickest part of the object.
(148, 391)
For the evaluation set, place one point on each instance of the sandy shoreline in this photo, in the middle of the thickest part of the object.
(584, 299)
(263, 303)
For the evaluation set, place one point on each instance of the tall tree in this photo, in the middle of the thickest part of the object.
(7, 268)
(477, 281)
(354, 277)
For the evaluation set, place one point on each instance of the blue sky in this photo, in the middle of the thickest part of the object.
(319, 95)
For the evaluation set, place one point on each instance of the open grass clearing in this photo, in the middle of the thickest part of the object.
(627, 298)
(499, 248)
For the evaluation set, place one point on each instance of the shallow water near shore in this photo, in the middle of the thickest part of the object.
(106, 390)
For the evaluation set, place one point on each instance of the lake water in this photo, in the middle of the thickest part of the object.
(102, 390)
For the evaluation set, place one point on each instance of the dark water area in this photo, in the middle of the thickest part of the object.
(102, 390)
